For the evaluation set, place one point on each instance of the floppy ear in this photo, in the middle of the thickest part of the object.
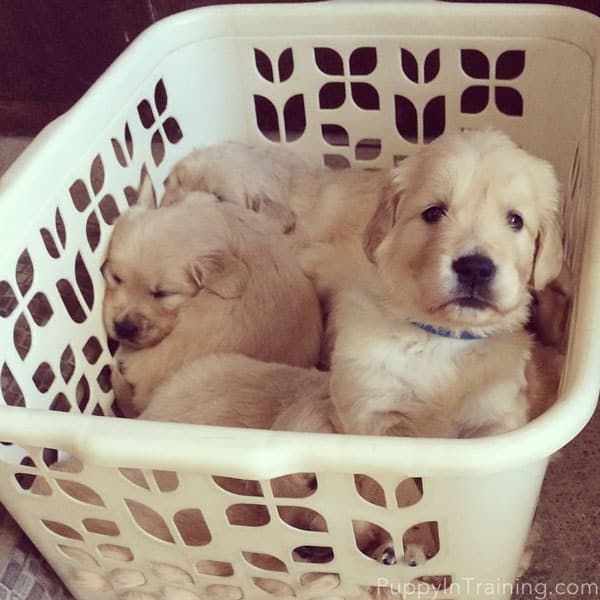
(146, 197)
(381, 222)
(548, 260)
(221, 273)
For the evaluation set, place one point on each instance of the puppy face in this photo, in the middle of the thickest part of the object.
(467, 226)
(158, 261)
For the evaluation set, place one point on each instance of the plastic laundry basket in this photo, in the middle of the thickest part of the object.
(356, 83)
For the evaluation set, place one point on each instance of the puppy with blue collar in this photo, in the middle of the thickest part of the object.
(430, 338)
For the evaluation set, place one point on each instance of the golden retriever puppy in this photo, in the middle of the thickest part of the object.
(431, 342)
(198, 277)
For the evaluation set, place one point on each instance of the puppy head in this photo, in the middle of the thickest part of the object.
(465, 228)
(159, 259)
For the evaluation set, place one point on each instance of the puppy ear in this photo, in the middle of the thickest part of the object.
(146, 197)
(548, 259)
(381, 222)
(221, 273)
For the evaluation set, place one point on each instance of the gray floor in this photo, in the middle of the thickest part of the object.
(566, 560)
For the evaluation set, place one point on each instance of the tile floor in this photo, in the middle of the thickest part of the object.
(566, 560)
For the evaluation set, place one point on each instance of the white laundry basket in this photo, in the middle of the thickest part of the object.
(357, 83)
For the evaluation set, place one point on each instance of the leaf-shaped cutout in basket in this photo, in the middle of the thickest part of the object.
(409, 492)
(119, 153)
(82, 393)
(407, 122)
(192, 527)
(161, 97)
(61, 230)
(335, 135)
(248, 515)
(363, 61)
(374, 541)
(218, 591)
(70, 300)
(50, 246)
(157, 148)
(172, 130)
(410, 66)
(11, 391)
(8, 299)
(79, 195)
(126, 578)
(285, 65)
(475, 63)
(24, 272)
(78, 555)
(474, 99)
(370, 490)
(40, 310)
(510, 64)
(332, 95)
(22, 336)
(329, 61)
(116, 552)
(302, 517)
(62, 529)
(509, 101)
(421, 542)
(294, 118)
(92, 231)
(84, 281)
(171, 573)
(149, 520)
(274, 587)
(101, 527)
(218, 568)
(267, 120)
(79, 491)
(268, 562)
(43, 377)
(263, 65)
(434, 118)
(242, 487)
(97, 174)
(109, 209)
(432, 65)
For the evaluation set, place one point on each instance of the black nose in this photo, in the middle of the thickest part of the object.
(474, 269)
(126, 328)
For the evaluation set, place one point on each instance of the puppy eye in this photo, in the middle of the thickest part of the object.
(515, 221)
(110, 277)
(434, 213)
(158, 294)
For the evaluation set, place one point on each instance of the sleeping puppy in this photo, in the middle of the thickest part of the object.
(431, 341)
(200, 277)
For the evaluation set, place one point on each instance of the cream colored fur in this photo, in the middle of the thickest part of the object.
(231, 283)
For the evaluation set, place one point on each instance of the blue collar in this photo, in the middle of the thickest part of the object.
(448, 333)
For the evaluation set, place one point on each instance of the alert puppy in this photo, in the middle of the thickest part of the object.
(201, 277)
(431, 340)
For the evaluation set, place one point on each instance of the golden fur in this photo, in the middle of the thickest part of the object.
(201, 277)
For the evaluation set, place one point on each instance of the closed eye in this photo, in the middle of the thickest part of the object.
(159, 294)
(110, 276)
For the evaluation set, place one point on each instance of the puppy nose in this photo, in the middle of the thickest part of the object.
(126, 328)
(474, 269)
